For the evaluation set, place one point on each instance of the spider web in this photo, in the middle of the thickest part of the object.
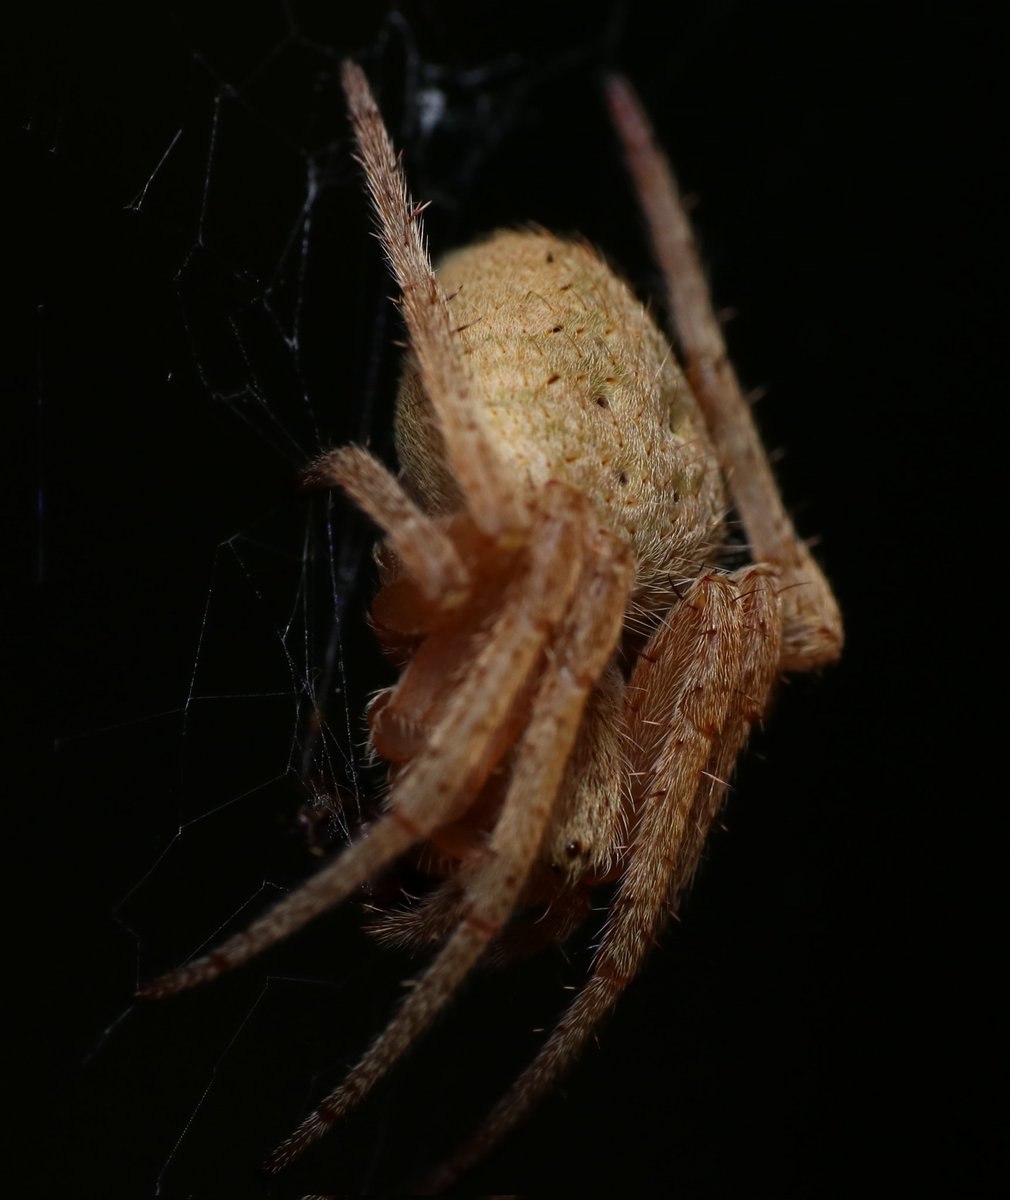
(234, 751)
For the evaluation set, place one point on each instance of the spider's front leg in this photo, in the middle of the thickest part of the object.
(703, 680)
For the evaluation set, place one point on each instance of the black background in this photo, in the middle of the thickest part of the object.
(795, 1035)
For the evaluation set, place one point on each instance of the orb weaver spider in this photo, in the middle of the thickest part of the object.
(579, 673)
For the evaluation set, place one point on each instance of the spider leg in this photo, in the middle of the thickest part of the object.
(429, 788)
(812, 622)
(760, 600)
(426, 924)
(690, 703)
(568, 909)
(469, 450)
(588, 829)
(423, 545)
(584, 644)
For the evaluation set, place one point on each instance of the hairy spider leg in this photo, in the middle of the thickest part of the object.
(488, 493)
(691, 695)
(583, 645)
(427, 792)
(561, 897)
(760, 599)
(421, 543)
(812, 634)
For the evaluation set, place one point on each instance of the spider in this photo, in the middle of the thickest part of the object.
(579, 673)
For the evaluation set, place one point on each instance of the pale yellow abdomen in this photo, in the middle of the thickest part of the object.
(576, 383)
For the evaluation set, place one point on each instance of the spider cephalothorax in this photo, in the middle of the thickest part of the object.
(580, 672)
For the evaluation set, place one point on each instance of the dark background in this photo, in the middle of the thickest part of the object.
(797, 1033)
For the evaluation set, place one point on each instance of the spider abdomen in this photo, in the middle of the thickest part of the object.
(577, 384)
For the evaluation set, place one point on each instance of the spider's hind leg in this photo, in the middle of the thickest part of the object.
(471, 457)
(812, 622)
